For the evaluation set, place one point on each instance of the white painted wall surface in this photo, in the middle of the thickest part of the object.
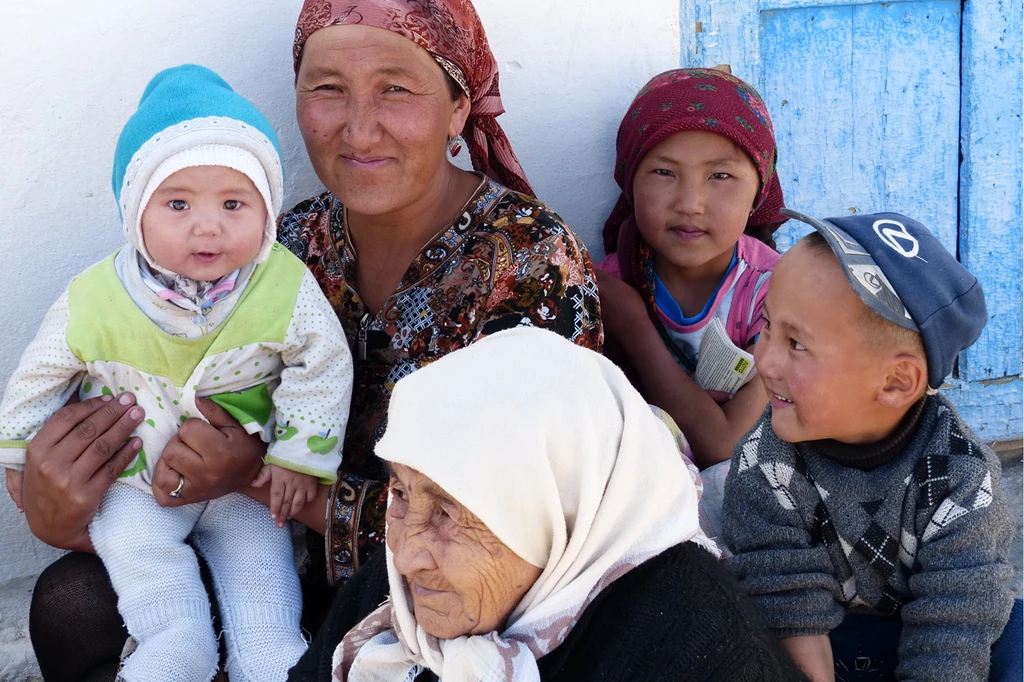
(72, 71)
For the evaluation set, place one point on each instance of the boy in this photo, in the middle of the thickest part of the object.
(860, 504)
(201, 302)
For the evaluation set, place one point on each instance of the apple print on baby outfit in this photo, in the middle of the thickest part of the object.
(285, 432)
(322, 443)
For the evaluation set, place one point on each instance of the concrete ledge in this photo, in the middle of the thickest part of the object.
(1008, 450)
(17, 662)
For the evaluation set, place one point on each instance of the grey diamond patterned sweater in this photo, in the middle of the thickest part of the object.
(925, 536)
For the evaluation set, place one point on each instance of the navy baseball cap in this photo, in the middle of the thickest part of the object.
(902, 272)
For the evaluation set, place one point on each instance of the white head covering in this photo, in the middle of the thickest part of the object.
(554, 450)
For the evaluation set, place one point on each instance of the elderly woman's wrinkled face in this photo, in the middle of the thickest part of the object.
(463, 579)
(375, 111)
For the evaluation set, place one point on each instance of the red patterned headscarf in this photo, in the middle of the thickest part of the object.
(450, 30)
(691, 99)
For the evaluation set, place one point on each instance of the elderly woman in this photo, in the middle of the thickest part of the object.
(418, 258)
(567, 548)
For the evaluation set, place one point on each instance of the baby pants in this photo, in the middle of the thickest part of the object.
(162, 599)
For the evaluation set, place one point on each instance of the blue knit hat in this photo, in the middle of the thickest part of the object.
(189, 116)
(902, 272)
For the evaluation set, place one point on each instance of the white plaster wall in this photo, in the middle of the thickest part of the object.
(569, 69)
(72, 71)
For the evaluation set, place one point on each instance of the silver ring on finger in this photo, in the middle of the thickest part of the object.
(176, 493)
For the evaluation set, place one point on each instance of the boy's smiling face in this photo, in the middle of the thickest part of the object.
(204, 222)
(824, 377)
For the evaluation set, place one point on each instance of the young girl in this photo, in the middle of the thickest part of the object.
(696, 165)
(201, 302)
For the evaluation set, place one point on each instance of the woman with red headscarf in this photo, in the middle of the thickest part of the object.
(445, 256)
(418, 257)
(690, 238)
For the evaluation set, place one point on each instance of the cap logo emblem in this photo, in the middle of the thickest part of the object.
(873, 281)
(897, 238)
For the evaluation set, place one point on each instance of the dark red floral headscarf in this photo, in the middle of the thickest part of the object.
(450, 30)
(691, 99)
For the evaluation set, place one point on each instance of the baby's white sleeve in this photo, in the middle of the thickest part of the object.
(46, 376)
(311, 403)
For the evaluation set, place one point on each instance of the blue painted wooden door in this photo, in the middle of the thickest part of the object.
(911, 106)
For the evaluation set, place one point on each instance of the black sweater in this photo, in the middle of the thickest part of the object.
(678, 616)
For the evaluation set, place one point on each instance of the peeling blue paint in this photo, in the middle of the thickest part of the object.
(866, 105)
(887, 106)
(990, 181)
(992, 410)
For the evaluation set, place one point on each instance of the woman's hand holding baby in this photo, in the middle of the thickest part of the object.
(69, 465)
(215, 458)
(289, 491)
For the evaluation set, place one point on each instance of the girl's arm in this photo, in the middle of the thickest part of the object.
(711, 429)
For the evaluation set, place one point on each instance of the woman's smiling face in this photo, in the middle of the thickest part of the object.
(375, 111)
(463, 580)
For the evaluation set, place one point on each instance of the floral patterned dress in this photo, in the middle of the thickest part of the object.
(505, 261)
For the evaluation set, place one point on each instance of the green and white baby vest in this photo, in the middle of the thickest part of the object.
(279, 364)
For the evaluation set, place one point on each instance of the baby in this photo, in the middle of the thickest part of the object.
(867, 519)
(202, 302)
